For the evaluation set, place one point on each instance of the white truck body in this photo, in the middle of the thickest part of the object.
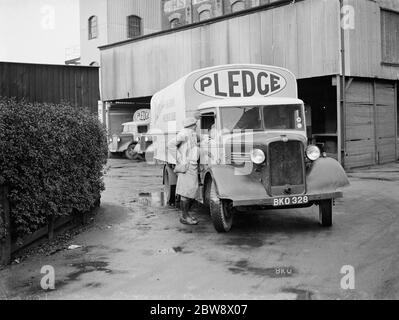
(228, 84)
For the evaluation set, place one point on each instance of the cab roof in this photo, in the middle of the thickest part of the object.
(136, 123)
(244, 102)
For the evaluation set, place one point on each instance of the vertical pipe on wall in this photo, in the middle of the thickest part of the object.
(376, 151)
(339, 120)
(396, 119)
(343, 82)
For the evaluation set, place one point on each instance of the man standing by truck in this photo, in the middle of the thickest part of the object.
(187, 156)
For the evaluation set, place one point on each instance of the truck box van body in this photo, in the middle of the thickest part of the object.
(254, 149)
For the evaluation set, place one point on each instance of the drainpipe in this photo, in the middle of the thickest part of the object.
(343, 81)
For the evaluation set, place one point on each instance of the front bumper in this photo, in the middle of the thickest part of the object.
(268, 202)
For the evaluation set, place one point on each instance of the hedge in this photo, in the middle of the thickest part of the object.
(51, 160)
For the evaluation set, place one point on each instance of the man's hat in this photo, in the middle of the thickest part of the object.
(189, 122)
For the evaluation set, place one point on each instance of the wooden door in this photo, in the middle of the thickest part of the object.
(385, 121)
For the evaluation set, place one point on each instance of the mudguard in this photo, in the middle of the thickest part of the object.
(326, 175)
(123, 147)
(233, 186)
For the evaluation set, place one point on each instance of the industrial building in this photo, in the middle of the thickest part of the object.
(345, 55)
(109, 21)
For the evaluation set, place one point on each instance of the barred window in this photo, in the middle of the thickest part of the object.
(93, 27)
(133, 27)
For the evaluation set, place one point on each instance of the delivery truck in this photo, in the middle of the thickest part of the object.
(128, 141)
(254, 150)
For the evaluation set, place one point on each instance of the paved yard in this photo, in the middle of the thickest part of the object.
(137, 249)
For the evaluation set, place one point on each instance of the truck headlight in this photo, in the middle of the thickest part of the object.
(110, 140)
(257, 156)
(119, 140)
(313, 153)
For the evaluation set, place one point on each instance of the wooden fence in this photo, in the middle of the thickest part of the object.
(5, 228)
(8, 247)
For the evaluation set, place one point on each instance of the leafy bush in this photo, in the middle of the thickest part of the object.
(51, 160)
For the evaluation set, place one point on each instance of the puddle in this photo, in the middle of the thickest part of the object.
(243, 267)
(245, 241)
(93, 285)
(152, 199)
(88, 267)
(174, 250)
(373, 178)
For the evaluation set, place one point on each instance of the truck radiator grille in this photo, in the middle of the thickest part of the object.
(286, 163)
(240, 157)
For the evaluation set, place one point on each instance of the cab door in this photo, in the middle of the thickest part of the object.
(208, 154)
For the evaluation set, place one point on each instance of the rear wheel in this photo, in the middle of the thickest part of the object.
(170, 190)
(221, 211)
(325, 213)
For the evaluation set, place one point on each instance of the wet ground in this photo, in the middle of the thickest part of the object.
(137, 249)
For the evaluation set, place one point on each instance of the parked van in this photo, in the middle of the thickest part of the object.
(127, 141)
(254, 151)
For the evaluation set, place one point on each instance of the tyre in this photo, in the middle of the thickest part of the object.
(169, 190)
(207, 193)
(131, 154)
(325, 213)
(221, 211)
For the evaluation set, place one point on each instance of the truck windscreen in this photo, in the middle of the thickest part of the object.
(276, 117)
(286, 117)
(241, 118)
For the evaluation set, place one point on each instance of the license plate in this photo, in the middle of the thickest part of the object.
(290, 201)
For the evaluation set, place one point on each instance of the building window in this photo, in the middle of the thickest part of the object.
(174, 23)
(93, 27)
(237, 6)
(133, 26)
(204, 15)
(390, 36)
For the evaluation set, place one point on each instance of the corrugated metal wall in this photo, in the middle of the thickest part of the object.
(303, 37)
(51, 83)
(364, 42)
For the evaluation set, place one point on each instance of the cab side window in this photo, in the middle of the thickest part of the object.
(207, 121)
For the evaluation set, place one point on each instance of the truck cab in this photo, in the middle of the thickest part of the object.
(254, 150)
(126, 141)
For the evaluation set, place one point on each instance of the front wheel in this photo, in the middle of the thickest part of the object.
(325, 213)
(221, 211)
